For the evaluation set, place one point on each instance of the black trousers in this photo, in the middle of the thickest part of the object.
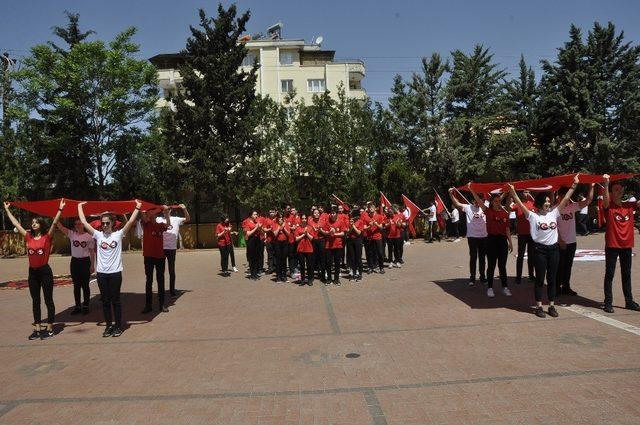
(292, 256)
(546, 258)
(170, 256)
(110, 284)
(280, 251)
(271, 255)
(366, 243)
(388, 248)
(261, 245)
(455, 229)
(319, 263)
(225, 251)
(232, 255)
(565, 265)
(525, 243)
(405, 234)
(41, 278)
(335, 257)
(377, 250)
(497, 252)
(611, 257)
(254, 245)
(477, 253)
(395, 254)
(432, 230)
(354, 255)
(305, 260)
(151, 263)
(80, 275)
(581, 223)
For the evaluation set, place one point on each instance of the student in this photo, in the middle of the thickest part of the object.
(334, 232)
(394, 237)
(582, 218)
(304, 235)
(293, 221)
(40, 274)
(268, 224)
(366, 217)
(355, 230)
(455, 223)
(618, 242)
(109, 265)
(83, 263)
(170, 244)
(405, 232)
(567, 240)
(319, 264)
(525, 243)
(432, 222)
(544, 232)
(498, 241)
(153, 254)
(223, 235)
(280, 243)
(252, 230)
(376, 226)
(476, 235)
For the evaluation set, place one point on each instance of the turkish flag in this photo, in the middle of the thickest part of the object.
(413, 213)
(49, 208)
(345, 206)
(440, 207)
(384, 202)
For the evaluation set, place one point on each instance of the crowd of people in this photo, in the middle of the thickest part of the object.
(326, 246)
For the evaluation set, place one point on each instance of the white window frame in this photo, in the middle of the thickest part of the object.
(287, 54)
(289, 84)
(316, 85)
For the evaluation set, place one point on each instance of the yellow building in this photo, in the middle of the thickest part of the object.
(284, 66)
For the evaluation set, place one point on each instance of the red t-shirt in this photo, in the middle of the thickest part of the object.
(152, 239)
(316, 225)
(394, 230)
(333, 242)
(522, 224)
(38, 250)
(376, 231)
(225, 239)
(304, 245)
(281, 236)
(497, 221)
(248, 225)
(293, 221)
(366, 220)
(358, 224)
(619, 232)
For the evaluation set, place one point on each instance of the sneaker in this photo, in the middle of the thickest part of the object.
(107, 332)
(506, 292)
(398, 266)
(472, 282)
(456, 240)
(116, 332)
(392, 265)
(235, 269)
(146, 309)
(382, 271)
(407, 243)
(34, 335)
(310, 282)
(490, 293)
(336, 282)
(608, 308)
(518, 281)
(632, 305)
(47, 333)
(75, 311)
(569, 291)
(540, 312)
(552, 311)
(350, 273)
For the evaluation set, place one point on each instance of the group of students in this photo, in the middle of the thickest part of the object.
(317, 245)
(547, 232)
(97, 247)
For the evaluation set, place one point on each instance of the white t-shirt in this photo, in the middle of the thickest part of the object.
(170, 236)
(109, 250)
(544, 228)
(432, 213)
(476, 221)
(455, 215)
(567, 223)
(81, 244)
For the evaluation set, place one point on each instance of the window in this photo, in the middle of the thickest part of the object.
(286, 86)
(249, 59)
(315, 85)
(286, 57)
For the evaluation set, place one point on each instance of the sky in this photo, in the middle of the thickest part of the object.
(389, 36)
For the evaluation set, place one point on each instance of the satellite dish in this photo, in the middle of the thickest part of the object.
(319, 40)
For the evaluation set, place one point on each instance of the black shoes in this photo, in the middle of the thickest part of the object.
(164, 309)
(34, 335)
(310, 282)
(608, 308)
(632, 305)
(381, 271)
(552, 311)
(76, 311)
(116, 332)
(540, 312)
(174, 293)
(108, 331)
(336, 282)
(47, 333)
(146, 309)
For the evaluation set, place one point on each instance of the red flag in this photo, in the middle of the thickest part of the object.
(384, 202)
(345, 206)
(440, 207)
(49, 208)
(460, 197)
(413, 213)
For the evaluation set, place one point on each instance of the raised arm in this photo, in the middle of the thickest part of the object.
(589, 198)
(567, 197)
(517, 200)
(187, 217)
(56, 219)
(476, 197)
(83, 219)
(455, 201)
(63, 229)
(13, 220)
(605, 196)
(133, 218)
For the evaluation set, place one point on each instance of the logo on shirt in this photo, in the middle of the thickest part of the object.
(500, 219)
(478, 215)
(105, 245)
(38, 251)
(621, 218)
(156, 234)
(169, 227)
(78, 244)
(545, 226)
(567, 217)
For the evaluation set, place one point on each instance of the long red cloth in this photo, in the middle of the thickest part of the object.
(49, 208)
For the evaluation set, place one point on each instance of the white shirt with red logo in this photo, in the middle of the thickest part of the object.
(109, 250)
(567, 222)
(544, 228)
(476, 221)
(170, 236)
(81, 244)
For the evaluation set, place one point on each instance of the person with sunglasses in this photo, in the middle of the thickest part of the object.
(83, 263)
(40, 274)
(109, 265)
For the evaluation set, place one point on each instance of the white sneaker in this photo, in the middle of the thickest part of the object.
(506, 292)
(471, 283)
(490, 293)
(392, 265)
(398, 265)
(235, 269)
(457, 240)
(407, 243)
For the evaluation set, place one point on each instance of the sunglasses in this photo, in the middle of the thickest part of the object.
(106, 223)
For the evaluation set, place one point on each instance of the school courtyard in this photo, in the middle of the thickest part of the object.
(416, 345)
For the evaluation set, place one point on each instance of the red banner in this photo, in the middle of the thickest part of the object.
(413, 213)
(49, 208)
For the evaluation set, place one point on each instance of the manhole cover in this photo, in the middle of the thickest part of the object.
(352, 355)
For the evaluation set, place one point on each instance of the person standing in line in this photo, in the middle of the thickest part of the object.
(355, 231)
(319, 265)
(525, 243)
(40, 274)
(269, 225)
(401, 222)
(394, 234)
(476, 236)
(252, 229)
(334, 232)
(223, 235)
(280, 242)
(582, 218)
(619, 242)
(109, 265)
(293, 221)
(544, 232)
(455, 222)
(376, 227)
(83, 263)
(153, 253)
(304, 235)
(170, 244)
(405, 232)
(567, 240)
(432, 223)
